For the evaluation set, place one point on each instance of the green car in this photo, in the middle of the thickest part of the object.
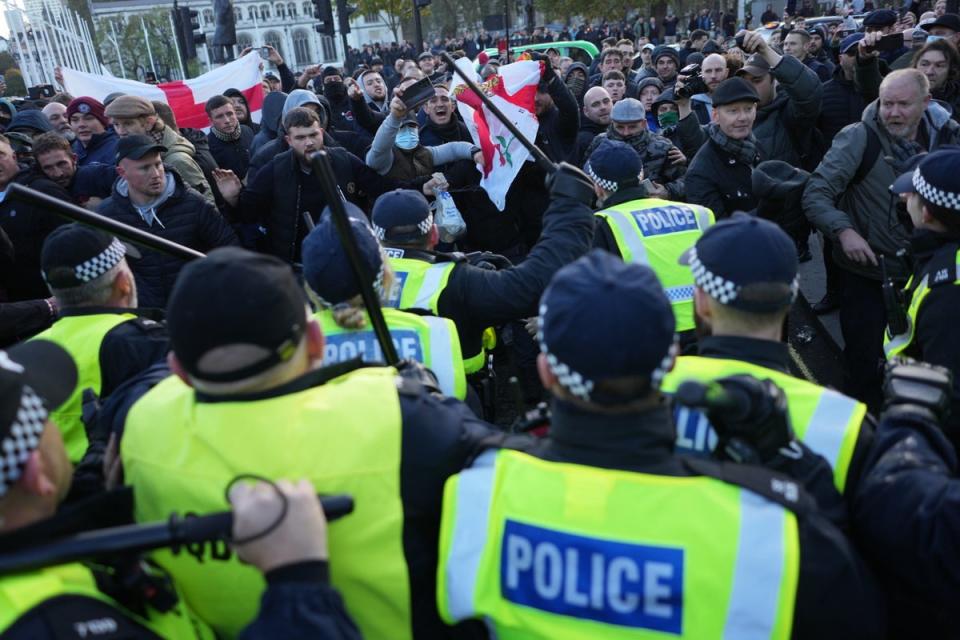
(580, 50)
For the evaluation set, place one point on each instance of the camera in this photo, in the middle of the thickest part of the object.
(693, 84)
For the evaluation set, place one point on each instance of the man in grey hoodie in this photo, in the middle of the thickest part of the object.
(847, 198)
(397, 153)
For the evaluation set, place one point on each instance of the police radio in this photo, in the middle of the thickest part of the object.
(896, 316)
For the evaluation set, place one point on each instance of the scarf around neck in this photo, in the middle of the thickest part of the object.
(743, 150)
(227, 137)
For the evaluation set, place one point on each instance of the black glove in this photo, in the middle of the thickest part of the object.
(750, 416)
(917, 388)
(569, 181)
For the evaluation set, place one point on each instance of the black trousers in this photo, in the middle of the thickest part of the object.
(863, 320)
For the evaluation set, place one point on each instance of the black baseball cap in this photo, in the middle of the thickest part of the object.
(73, 255)
(235, 298)
(136, 146)
(36, 377)
(947, 20)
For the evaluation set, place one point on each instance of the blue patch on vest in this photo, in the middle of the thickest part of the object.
(392, 299)
(629, 585)
(669, 219)
(341, 347)
(695, 434)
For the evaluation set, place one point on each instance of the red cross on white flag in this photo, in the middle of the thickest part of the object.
(185, 97)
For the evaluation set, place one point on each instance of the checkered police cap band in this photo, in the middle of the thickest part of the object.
(930, 193)
(101, 263)
(579, 385)
(423, 227)
(720, 289)
(23, 438)
(603, 183)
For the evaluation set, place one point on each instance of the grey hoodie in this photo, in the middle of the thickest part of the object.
(833, 204)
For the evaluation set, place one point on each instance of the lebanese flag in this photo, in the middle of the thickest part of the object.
(185, 97)
(513, 90)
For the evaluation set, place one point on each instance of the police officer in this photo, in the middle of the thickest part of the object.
(61, 601)
(346, 325)
(932, 198)
(745, 278)
(477, 297)
(249, 396)
(645, 230)
(602, 531)
(99, 324)
(71, 601)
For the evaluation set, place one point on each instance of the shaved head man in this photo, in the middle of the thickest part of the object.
(714, 70)
(597, 105)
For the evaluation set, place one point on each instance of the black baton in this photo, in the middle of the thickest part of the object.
(322, 168)
(83, 216)
(139, 538)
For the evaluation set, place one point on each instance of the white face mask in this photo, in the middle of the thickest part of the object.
(408, 138)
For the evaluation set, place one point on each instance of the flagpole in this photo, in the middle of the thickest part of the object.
(173, 30)
(146, 39)
(70, 43)
(123, 70)
(58, 48)
(90, 47)
(81, 43)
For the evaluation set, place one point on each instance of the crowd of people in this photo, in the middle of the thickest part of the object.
(638, 292)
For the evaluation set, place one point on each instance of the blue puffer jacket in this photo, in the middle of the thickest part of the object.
(183, 216)
(102, 148)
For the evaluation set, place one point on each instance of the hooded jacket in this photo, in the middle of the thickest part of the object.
(270, 117)
(182, 157)
(260, 156)
(653, 151)
(30, 119)
(236, 93)
(586, 82)
(181, 215)
(833, 203)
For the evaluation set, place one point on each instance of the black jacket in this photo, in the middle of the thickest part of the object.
(836, 597)
(842, 104)
(186, 218)
(719, 181)
(588, 131)
(907, 517)
(27, 227)
(432, 134)
(279, 192)
(936, 339)
(270, 114)
(476, 298)
(232, 155)
(559, 125)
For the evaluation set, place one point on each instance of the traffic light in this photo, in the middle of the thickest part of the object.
(343, 15)
(178, 29)
(192, 32)
(323, 12)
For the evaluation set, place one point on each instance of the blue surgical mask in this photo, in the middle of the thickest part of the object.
(408, 138)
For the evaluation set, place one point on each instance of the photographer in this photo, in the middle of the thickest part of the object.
(790, 94)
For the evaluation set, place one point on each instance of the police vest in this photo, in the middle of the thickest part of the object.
(826, 421)
(179, 454)
(20, 594)
(656, 233)
(943, 269)
(556, 550)
(81, 337)
(427, 339)
(418, 285)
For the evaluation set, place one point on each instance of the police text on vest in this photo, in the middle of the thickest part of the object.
(619, 583)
